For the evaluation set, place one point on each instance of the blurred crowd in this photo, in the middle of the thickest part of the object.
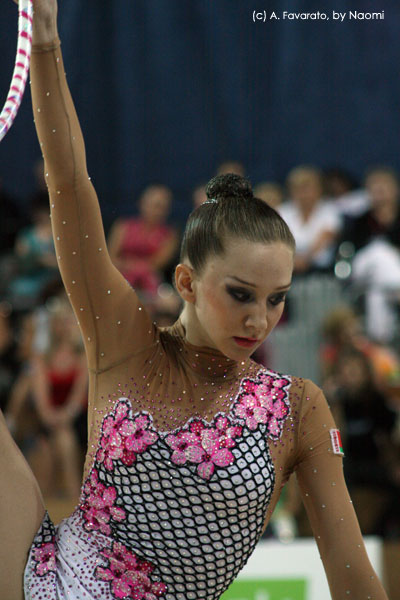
(347, 234)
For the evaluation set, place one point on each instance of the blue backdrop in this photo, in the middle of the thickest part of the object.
(165, 89)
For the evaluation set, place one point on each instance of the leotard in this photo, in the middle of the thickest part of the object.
(188, 450)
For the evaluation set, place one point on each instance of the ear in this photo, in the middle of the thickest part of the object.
(184, 278)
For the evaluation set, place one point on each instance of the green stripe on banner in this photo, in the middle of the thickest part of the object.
(267, 589)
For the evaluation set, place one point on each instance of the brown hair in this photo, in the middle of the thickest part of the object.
(231, 210)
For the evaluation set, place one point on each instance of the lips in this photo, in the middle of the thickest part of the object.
(245, 342)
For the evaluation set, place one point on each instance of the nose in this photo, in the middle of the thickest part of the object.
(257, 321)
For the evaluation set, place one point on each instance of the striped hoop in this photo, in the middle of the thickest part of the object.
(21, 69)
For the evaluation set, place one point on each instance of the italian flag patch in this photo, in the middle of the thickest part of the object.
(336, 440)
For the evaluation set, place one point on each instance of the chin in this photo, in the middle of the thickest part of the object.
(239, 354)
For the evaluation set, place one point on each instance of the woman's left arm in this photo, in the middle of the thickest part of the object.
(319, 468)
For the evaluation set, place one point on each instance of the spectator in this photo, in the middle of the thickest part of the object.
(36, 259)
(270, 192)
(382, 220)
(313, 221)
(59, 387)
(341, 186)
(338, 182)
(142, 247)
(342, 330)
(367, 426)
(375, 237)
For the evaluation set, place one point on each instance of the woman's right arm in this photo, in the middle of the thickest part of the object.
(112, 322)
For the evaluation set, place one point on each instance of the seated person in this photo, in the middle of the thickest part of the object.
(313, 220)
(142, 247)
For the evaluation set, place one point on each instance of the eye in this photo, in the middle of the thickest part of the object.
(239, 294)
(277, 299)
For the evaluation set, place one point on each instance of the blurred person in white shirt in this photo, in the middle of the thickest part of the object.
(313, 220)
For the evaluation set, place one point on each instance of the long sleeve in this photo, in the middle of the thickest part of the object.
(329, 508)
(113, 323)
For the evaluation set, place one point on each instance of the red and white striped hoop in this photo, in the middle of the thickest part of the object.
(21, 69)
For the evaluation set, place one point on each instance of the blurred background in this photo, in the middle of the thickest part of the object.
(169, 93)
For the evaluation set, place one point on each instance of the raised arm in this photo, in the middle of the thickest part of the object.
(328, 505)
(113, 324)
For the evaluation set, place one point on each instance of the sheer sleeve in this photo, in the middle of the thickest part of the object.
(329, 508)
(113, 323)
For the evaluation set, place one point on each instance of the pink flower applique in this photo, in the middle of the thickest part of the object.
(205, 445)
(129, 577)
(98, 506)
(45, 557)
(264, 400)
(124, 437)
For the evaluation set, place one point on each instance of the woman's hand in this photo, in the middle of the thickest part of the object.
(44, 21)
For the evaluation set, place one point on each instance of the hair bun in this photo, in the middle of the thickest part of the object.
(229, 185)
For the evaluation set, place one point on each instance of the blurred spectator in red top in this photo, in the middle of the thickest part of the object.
(142, 247)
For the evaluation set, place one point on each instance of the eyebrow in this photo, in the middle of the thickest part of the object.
(283, 287)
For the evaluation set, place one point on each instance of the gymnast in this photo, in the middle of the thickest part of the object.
(190, 441)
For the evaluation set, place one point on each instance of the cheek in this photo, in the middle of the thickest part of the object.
(276, 316)
(215, 305)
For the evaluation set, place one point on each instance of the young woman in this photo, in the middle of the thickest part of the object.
(190, 441)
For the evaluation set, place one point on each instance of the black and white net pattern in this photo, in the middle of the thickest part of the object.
(197, 533)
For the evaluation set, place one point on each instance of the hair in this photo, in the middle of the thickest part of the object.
(382, 170)
(349, 354)
(303, 172)
(230, 211)
(337, 320)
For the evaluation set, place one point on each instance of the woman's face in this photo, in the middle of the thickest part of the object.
(239, 297)
(155, 204)
(306, 191)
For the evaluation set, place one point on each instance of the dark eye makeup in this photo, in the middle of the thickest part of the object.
(278, 298)
(243, 295)
(239, 294)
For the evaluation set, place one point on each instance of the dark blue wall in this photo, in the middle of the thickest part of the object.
(166, 89)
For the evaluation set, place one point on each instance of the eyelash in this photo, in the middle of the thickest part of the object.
(244, 297)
